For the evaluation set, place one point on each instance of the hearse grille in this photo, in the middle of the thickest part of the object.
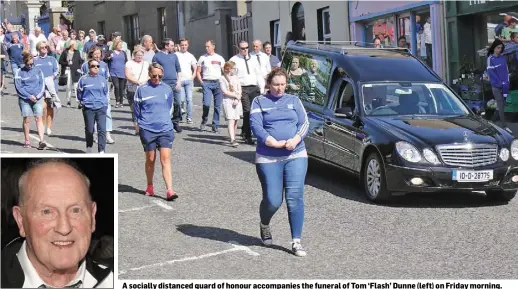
(468, 155)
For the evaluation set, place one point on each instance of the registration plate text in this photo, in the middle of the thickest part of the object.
(472, 176)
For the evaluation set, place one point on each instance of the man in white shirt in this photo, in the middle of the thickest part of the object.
(262, 58)
(209, 71)
(188, 66)
(56, 216)
(252, 81)
(34, 39)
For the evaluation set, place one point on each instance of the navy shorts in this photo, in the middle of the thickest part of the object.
(156, 140)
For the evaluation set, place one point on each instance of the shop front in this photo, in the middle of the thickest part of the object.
(472, 26)
(415, 25)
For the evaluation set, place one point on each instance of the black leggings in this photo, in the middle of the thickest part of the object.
(119, 88)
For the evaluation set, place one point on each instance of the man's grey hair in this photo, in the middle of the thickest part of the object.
(22, 182)
(146, 37)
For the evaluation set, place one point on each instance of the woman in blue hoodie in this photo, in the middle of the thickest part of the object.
(92, 93)
(498, 76)
(280, 123)
(30, 85)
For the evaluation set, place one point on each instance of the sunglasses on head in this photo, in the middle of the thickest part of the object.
(95, 66)
(159, 76)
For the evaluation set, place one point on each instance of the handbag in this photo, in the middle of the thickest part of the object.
(131, 87)
(63, 79)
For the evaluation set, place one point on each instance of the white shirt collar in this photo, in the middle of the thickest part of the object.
(33, 280)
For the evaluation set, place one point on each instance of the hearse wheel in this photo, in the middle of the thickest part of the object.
(374, 179)
(500, 195)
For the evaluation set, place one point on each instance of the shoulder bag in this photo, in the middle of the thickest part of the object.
(132, 87)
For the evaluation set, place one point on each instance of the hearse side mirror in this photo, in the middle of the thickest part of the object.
(344, 112)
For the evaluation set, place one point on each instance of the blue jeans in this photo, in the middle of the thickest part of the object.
(288, 176)
(177, 107)
(14, 68)
(211, 87)
(186, 95)
(92, 116)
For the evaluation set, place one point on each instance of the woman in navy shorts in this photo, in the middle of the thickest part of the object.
(152, 105)
(30, 84)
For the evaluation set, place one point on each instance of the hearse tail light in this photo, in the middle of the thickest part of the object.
(514, 149)
(408, 152)
(430, 156)
(504, 154)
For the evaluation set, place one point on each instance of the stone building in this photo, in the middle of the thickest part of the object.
(197, 21)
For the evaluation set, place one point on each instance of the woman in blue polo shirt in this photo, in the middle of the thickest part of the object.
(118, 59)
(30, 86)
(95, 52)
(92, 93)
(152, 106)
(280, 123)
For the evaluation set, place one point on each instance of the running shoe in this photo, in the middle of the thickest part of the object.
(42, 145)
(171, 195)
(266, 234)
(297, 249)
(149, 191)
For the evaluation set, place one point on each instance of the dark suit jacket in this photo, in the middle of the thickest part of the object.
(76, 64)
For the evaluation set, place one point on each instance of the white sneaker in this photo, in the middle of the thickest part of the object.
(101, 152)
(49, 132)
(89, 150)
(109, 138)
(298, 250)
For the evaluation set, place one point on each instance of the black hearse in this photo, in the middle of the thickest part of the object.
(383, 115)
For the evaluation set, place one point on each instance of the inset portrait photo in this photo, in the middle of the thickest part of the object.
(58, 217)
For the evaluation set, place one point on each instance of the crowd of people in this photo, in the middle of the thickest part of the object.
(158, 81)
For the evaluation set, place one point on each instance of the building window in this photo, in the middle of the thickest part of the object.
(275, 35)
(162, 24)
(132, 29)
(101, 28)
(324, 24)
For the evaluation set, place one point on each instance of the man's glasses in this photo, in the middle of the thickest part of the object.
(243, 48)
(44, 47)
(95, 66)
(159, 76)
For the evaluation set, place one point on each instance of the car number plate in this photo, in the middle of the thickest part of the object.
(472, 176)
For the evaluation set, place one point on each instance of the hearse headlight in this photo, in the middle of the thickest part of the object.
(408, 152)
(504, 154)
(430, 156)
(514, 149)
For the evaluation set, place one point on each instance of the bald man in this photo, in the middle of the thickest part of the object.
(34, 38)
(263, 58)
(56, 216)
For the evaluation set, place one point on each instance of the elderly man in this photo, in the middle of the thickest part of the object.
(34, 39)
(149, 48)
(262, 58)
(56, 216)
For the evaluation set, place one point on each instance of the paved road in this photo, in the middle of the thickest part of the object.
(421, 236)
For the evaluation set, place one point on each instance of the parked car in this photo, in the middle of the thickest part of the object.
(385, 116)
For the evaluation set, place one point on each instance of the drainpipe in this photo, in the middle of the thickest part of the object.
(348, 30)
